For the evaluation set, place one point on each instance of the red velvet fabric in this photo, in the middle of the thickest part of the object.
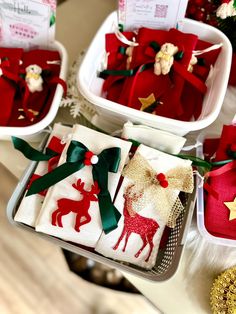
(180, 93)
(193, 108)
(117, 60)
(216, 212)
(8, 87)
(37, 101)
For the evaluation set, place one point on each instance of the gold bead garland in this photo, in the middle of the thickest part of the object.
(223, 293)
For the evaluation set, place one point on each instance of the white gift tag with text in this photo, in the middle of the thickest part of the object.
(157, 14)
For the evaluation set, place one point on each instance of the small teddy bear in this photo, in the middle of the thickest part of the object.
(33, 78)
(164, 59)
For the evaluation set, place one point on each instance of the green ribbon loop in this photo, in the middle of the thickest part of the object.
(31, 153)
(108, 161)
(231, 153)
(155, 46)
(117, 73)
(122, 50)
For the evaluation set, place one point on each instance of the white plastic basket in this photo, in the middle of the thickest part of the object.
(31, 132)
(200, 203)
(90, 85)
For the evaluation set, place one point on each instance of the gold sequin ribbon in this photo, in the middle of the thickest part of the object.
(166, 200)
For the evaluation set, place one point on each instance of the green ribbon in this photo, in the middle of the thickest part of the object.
(155, 46)
(31, 153)
(231, 153)
(108, 161)
(130, 72)
(122, 50)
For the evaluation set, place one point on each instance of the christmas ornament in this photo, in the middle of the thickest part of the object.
(232, 207)
(149, 104)
(223, 293)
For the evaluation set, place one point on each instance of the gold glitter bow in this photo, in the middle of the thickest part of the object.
(165, 197)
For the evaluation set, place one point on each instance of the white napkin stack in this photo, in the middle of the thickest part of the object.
(89, 233)
(30, 206)
(148, 222)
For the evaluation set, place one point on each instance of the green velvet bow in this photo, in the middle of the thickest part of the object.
(108, 161)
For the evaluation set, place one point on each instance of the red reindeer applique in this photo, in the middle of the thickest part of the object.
(80, 208)
(135, 223)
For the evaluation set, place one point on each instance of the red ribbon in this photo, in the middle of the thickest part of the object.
(56, 146)
(214, 173)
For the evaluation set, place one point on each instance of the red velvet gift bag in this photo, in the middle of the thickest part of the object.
(219, 219)
(166, 89)
(32, 107)
(9, 76)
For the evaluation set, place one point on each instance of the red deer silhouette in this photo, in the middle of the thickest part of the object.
(80, 208)
(133, 222)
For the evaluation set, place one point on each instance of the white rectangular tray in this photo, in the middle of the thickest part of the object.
(31, 132)
(90, 85)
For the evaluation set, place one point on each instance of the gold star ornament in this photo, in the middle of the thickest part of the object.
(232, 207)
(149, 103)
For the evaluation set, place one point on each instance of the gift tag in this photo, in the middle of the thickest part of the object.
(158, 14)
(27, 24)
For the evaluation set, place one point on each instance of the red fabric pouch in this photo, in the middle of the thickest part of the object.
(201, 70)
(116, 60)
(216, 212)
(32, 107)
(9, 75)
(141, 84)
(115, 49)
(167, 89)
